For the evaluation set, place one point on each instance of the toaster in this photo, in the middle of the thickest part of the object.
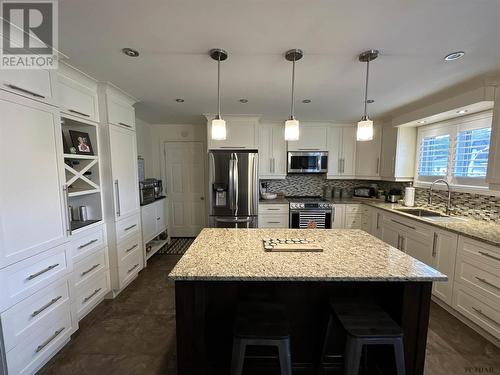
(364, 192)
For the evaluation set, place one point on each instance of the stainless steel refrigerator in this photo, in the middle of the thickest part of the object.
(233, 189)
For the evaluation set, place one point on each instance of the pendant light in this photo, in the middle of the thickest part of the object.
(365, 126)
(292, 124)
(218, 123)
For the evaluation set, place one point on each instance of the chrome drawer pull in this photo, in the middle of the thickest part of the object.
(133, 268)
(78, 113)
(274, 209)
(92, 295)
(31, 277)
(486, 316)
(489, 255)
(90, 269)
(123, 124)
(49, 340)
(130, 227)
(273, 222)
(132, 248)
(434, 243)
(488, 283)
(87, 244)
(14, 87)
(403, 224)
(45, 307)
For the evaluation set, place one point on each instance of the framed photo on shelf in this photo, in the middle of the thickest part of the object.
(81, 142)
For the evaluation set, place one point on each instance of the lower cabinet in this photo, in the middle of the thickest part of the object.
(347, 216)
(154, 227)
(273, 215)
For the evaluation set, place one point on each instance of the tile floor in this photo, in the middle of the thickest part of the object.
(135, 334)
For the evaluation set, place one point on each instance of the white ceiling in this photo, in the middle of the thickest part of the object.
(174, 37)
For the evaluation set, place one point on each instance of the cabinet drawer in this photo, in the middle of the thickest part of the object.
(273, 221)
(20, 320)
(273, 209)
(89, 267)
(353, 221)
(352, 208)
(24, 278)
(120, 113)
(77, 100)
(482, 311)
(88, 243)
(91, 292)
(479, 251)
(44, 341)
(37, 84)
(416, 230)
(129, 267)
(484, 280)
(127, 227)
(129, 246)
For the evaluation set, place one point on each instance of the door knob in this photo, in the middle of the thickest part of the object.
(202, 198)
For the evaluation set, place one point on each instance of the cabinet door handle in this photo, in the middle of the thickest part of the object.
(403, 240)
(32, 93)
(489, 255)
(434, 243)
(378, 220)
(87, 244)
(340, 166)
(233, 147)
(479, 311)
(133, 268)
(399, 242)
(35, 275)
(92, 295)
(78, 113)
(274, 209)
(130, 227)
(45, 307)
(66, 208)
(126, 125)
(117, 197)
(89, 270)
(49, 340)
(488, 283)
(274, 165)
(343, 165)
(403, 224)
(131, 248)
(270, 165)
(378, 166)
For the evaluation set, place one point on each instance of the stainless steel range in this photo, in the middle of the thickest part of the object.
(311, 212)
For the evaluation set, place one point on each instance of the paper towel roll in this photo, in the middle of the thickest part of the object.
(409, 196)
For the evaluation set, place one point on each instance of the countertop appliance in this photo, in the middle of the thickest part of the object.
(233, 189)
(158, 188)
(147, 191)
(364, 192)
(393, 196)
(307, 161)
(311, 212)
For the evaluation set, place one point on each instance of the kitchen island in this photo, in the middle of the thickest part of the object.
(225, 265)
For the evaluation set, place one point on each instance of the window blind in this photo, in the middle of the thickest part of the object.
(471, 153)
(434, 154)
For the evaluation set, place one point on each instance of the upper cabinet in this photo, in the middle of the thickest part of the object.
(77, 94)
(242, 132)
(341, 147)
(119, 107)
(312, 138)
(37, 84)
(368, 156)
(397, 160)
(272, 151)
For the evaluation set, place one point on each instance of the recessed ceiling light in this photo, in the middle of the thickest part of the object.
(243, 100)
(179, 100)
(306, 101)
(454, 56)
(462, 111)
(130, 52)
(421, 122)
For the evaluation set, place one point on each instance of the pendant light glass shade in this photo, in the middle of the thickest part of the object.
(292, 130)
(218, 129)
(365, 130)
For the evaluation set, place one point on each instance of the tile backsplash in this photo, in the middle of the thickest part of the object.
(480, 207)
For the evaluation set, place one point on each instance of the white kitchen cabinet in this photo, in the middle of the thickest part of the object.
(444, 252)
(493, 174)
(366, 218)
(312, 137)
(242, 132)
(36, 84)
(376, 223)
(397, 158)
(153, 217)
(77, 94)
(120, 110)
(368, 156)
(123, 147)
(338, 217)
(341, 147)
(391, 234)
(32, 205)
(272, 151)
(273, 215)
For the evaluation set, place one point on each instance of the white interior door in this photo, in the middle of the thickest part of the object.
(185, 172)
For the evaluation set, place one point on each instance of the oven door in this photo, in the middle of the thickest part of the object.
(233, 222)
(307, 162)
(317, 219)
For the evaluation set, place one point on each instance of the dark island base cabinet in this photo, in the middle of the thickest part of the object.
(205, 311)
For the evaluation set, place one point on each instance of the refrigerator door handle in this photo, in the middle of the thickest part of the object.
(235, 182)
(231, 181)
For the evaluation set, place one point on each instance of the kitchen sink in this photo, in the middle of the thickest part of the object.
(420, 212)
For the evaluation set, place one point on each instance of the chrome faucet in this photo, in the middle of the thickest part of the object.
(448, 204)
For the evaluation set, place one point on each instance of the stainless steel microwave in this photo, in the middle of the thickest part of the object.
(307, 162)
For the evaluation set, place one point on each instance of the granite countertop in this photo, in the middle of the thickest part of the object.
(476, 229)
(348, 255)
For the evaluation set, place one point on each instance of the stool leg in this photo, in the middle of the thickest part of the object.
(285, 357)
(238, 358)
(352, 356)
(399, 355)
(319, 365)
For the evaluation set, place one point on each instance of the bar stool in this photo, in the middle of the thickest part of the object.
(261, 324)
(365, 324)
